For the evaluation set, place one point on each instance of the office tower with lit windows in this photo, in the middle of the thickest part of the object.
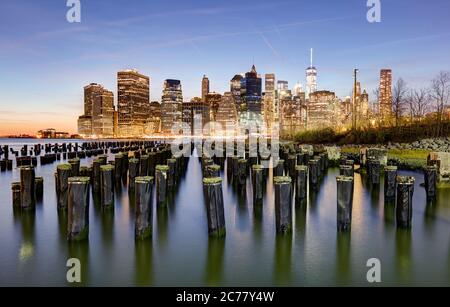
(269, 100)
(171, 105)
(311, 77)
(385, 93)
(133, 97)
(196, 115)
(226, 114)
(251, 94)
(213, 100)
(236, 89)
(98, 117)
(205, 87)
(154, 120)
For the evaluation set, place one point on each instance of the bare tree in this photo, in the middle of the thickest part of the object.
(440, 93)
(418, 102)
(398, 100)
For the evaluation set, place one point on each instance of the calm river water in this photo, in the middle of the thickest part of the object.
(34, 249)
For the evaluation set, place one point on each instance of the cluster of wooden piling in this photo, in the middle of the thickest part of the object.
(30, 189)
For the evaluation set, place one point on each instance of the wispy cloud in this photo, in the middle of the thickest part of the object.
(269, 45)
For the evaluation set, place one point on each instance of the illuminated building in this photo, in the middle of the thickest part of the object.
(205, 87)
(171, 105)
(385, 94)
(133, 102)
(236, 89)
(324, 110)
(270, 112)
(311, 78)
(226, 114)
(98, 117)
(251, 93)
(196, 114)
(213, 100)
(154, 120)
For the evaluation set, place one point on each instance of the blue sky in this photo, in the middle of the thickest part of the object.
(45, 61)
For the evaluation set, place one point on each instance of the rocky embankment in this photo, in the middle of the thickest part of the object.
(440, 144)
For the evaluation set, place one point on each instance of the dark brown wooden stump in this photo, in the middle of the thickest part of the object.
(346, 170)
(390, 176)
(212, 188)
(63, 172)
(15, 187)
(78, 209)
(278, 170)
(143, 169)
(374, 170)
(405, 191)
(301, 184)
(27, 187)
(96, 176)
(242, 178)
(171, 174)
(161, 172)
(39, 188)
(212, 171)
(75, 167)
(133, 172)
(344, 202)
(107, 186)
(430, 174)
(144, 208)
(283, 204)
(257, 184)
(313, 166)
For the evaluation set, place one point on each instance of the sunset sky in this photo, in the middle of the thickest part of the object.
(45, 61)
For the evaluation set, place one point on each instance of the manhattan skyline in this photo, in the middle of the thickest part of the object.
(46, 61)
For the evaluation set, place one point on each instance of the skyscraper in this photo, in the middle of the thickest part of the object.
(133, 90)
(311, 78)
(269, 100)
(251, 97)
(236, 89)
(213, 100)
(171, 105)
(98, 116)
(205, 87)
(226, 114)
(385, 94)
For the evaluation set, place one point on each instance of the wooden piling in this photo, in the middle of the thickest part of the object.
(27, 187)
(213, 196)
(405, 191)
(283, 204)
(257, 184)
(390, 175)
(78, 209)
(344, 202)
(144, 208)
(161, 172)
(107, 186)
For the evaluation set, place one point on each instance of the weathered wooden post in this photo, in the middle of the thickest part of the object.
(405, 191)
(346, 170)
(390, 175)
(374, 170)
(242, 178)
(430, 174)
(15, 187)
(144, 208)
(291, 163)
(27, 187)
(235, 164)
(344, 202)
(107, 186)
(118, 168)
(143, 169)
(212, 171)
(301, 183)
(279, 169)
(257, 184)
(133, 172)
(78, 209)
(75, 167)
(161, 184)
(63, 172)
(313, 166)
(212, 188)
(171, 174)
(39, 188)
(151, 163)
(283, 203)
(96, 176)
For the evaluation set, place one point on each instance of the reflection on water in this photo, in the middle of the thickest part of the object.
(214, 261)
(180, 252)
(403, 245)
